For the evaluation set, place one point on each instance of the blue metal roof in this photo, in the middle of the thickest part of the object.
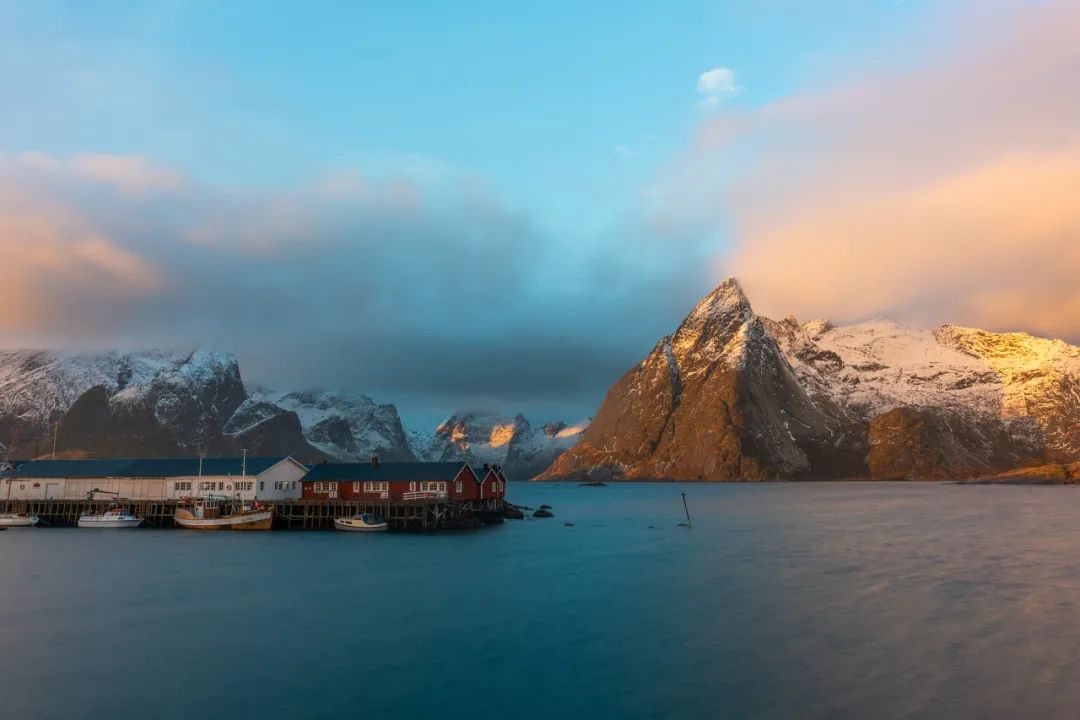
(390, 471)
(143, 467)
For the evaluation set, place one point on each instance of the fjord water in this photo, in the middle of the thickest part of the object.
(882, 600)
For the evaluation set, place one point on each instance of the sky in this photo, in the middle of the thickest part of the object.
(476, 206)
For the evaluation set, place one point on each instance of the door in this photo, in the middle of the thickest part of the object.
(52, 490)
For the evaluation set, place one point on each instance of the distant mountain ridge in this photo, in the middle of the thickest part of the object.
(177, 404)
(732, 395)
(522, 449)
(180, 404)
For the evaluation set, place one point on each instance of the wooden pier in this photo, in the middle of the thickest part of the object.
(401, 515)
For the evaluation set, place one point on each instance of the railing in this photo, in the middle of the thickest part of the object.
(424, 495)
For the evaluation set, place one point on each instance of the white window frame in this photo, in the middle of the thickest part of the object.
(458, 486)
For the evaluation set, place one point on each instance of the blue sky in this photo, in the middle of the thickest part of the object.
(563, 108)
(488, 205)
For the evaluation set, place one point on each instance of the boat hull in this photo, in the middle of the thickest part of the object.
(109, 523)
(7, 521)
(345, 525)
(261, 520)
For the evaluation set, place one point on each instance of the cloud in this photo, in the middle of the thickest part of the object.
(133, 174)
(717, 85)
(929, 189)
(421, 288)
(60, 269)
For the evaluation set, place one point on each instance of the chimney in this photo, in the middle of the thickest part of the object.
(374, 461)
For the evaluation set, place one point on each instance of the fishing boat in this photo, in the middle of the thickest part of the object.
(360, 523)
(223, 513)
(17, 520)
(114, 517)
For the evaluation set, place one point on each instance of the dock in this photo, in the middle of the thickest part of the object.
(412, 515)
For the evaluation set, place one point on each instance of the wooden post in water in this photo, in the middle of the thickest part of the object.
(687, 509)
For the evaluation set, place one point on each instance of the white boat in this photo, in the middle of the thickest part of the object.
(360, 523)
(111, 518)
(223, 514)
(17, 520)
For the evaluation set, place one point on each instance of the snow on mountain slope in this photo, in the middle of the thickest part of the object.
(874, 366)
(343, 423)
(185, 389)
(734, 395)
(514, 443)
(37, 386)
(1031, 384)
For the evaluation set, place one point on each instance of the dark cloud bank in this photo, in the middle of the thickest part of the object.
(430, 295)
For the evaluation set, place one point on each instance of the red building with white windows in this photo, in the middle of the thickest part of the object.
(402, 481)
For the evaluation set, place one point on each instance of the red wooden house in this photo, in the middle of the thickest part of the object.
(491, 482)
(392, 481)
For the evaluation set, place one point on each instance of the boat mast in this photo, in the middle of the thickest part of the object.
(11, 468)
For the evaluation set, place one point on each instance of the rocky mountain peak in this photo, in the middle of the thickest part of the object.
(733, 395)
(720, 327)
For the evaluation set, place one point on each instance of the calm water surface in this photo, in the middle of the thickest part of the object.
(860, 600)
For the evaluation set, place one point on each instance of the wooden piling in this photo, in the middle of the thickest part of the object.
(299, 514)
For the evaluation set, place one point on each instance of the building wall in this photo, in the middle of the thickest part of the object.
(282, 481)
(354, 490)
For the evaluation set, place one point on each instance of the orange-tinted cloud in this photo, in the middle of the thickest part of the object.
(133, 174)
(52, 254)
(941, 186)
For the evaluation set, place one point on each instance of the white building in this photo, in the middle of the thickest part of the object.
(263, 478)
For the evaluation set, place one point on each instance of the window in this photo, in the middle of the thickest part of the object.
(381, 486)
(432, 487)
(262, 484)
(356, 487)
(221, 486)
(320, 487)
(183, 486)
(457, 487)
(412, 487)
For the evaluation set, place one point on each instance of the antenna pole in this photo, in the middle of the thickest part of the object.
(687, 509)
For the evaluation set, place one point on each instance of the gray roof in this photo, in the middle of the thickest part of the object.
(390, 471)
(143, 467)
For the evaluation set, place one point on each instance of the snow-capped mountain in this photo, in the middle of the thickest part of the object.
(342, 423)
(733, 395)
(520, 448)
(190, 395)
(164, 403)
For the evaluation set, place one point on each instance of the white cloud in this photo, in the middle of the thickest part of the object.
(717, 85)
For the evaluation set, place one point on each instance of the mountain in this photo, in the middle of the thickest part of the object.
(177, 404)
(732, 395)
(343, 424)
(520, 448)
